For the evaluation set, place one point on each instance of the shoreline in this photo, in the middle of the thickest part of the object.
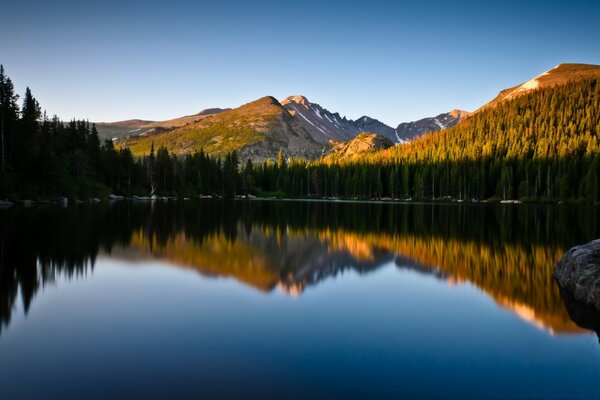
(64, 202)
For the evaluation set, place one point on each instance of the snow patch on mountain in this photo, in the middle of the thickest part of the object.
(307, 120)
(407, 131)
(531, 84)
(438, 123)
(325, 125)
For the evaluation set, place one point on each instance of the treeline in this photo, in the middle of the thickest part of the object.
(484, 179)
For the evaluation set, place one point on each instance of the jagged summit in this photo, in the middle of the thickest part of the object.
(301, 100)
(325, 125)
(460, 114)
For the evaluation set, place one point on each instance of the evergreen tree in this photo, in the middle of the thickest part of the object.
(9, 115)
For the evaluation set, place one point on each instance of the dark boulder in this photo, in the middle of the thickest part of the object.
(578, 272)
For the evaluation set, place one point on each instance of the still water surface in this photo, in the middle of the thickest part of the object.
(293, 300)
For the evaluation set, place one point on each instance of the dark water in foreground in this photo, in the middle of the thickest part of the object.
(292, 300)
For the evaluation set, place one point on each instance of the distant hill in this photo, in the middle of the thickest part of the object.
(111, 130)
(257, 130)
(324, 125)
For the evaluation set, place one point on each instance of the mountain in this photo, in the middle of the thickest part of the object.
(111, 130)
(305, 129)
(363, 143)
(557, 76)
(257, 130)
(368, 124)
(410, 130)
(324, 125)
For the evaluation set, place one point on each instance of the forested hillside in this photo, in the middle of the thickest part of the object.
(542, 145)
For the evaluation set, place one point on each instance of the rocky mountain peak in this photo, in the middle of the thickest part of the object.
(460, 114)
(301, 100)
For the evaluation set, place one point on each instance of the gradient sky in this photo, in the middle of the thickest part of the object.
(392, 60)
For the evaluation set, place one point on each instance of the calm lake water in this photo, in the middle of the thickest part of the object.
(293, 300)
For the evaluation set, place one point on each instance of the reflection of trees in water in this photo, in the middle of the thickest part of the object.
(37, 244)
(504, 250)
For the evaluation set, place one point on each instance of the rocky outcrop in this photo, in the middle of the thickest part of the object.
(364, 143)
(578, 272)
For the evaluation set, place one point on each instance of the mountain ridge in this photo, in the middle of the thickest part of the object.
(313, 128)
(407, 131)
(111, 130)
(257, 130)
(325, 125)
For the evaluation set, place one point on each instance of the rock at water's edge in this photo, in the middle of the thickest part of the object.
(578, 272)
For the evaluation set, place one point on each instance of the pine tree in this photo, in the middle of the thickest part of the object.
(151, 171)
(248, 179)
(9, 115)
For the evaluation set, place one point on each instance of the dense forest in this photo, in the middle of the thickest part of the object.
(539, 146)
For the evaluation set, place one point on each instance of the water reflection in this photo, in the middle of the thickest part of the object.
(508, 252)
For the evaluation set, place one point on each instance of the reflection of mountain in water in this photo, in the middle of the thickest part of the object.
(262, 259)
(507, 252)
(517, 278)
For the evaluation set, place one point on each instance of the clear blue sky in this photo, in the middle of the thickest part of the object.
(392, 60)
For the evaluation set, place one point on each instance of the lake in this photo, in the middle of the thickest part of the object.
(295, 300)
